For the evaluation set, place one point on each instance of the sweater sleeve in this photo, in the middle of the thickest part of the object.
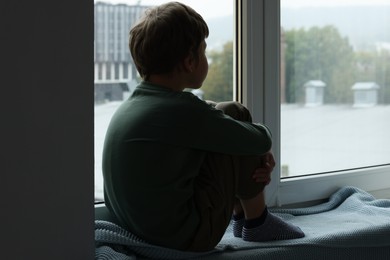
(221, 133)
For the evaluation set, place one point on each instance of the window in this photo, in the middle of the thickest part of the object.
(116, 82)
(339, 53)
(357, 159)
(305, 111)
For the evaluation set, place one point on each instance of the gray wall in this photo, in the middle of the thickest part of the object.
(46, 177)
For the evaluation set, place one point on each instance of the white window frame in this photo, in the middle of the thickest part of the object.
(258, 75)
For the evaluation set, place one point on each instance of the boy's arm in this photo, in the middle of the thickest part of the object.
(221, 133)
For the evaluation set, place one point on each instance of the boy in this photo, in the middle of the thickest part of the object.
(175, 167)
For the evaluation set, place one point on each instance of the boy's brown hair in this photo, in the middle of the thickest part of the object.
(164, 37)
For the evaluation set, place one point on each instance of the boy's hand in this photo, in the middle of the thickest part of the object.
(263, 173)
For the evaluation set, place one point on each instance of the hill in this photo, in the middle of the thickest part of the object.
(362, 25)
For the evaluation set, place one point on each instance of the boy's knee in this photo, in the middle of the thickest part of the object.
(211, 103)
(235, 110)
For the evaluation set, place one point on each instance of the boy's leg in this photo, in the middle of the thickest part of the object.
(214, 199)
(215, 192)
(254, 203)
(259, 224)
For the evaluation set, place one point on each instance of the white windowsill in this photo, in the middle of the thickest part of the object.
(374, 180)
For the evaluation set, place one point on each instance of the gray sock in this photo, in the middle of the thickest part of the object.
(237, 227)
(273, 228)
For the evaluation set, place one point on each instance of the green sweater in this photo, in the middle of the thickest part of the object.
(154, 147)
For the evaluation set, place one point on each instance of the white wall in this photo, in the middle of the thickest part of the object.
(46, 131)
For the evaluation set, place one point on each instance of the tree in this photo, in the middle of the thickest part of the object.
(218, 85)
(383, 75)
(319, 54)
(375, 66)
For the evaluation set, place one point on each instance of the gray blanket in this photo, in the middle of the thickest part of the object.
(351, 225)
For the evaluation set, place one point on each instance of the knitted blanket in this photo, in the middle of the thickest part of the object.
(351, 225)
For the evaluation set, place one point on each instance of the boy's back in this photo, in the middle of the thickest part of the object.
(143, 165)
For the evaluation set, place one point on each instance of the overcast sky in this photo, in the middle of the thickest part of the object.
(216, 8)
(299, 3)
(206, 8)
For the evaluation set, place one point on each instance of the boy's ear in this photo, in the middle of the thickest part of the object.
(189, 63)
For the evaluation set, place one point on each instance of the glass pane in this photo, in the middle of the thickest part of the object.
(335, 85)
(115, 73)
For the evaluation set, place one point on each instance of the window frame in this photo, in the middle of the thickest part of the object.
(260, 48)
